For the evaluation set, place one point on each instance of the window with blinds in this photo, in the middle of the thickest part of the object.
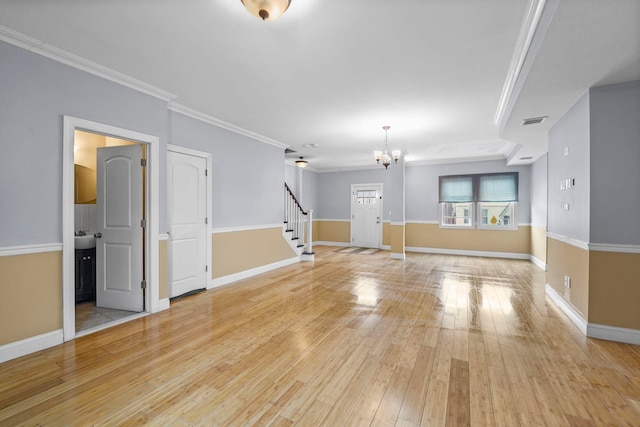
(491, 198)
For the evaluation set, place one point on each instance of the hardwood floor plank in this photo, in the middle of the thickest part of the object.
(346, 340)
(415, 397)
(435, 409)
(458, 401)
(481, 405)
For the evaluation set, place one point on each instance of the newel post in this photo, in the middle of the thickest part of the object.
(308, 254)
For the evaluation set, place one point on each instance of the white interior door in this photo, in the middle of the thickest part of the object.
(188, 223)
(366, 215)
(119, 253)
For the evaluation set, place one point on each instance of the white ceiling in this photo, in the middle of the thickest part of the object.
(333, 72)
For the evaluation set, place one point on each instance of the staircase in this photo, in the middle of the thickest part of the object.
(298, 225)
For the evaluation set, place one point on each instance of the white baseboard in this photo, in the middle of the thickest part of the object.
(537, 262)
(509, 255)
(567, 309)
(225, 280)
(613, 333)
(394, 255)
(163, 304)
(593, 330)
(323, 243)
(30, 345)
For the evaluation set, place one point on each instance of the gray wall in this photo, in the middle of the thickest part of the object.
(305, 193)
(615, 169)
(310, 193)
(539, 192)
(334, 191)
(247, 175)
(291, 177)
(572, 132)
(422, 187)
(35, 94)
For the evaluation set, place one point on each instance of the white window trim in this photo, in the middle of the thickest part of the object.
(462, 226)
(476, 221)
(514, 223)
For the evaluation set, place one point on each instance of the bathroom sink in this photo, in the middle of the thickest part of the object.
(85, 242)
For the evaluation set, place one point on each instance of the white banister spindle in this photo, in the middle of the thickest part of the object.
(295, 218)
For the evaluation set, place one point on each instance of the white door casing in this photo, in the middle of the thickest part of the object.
(187, 223)
(153, 303)
(119, 206)
(366, 215)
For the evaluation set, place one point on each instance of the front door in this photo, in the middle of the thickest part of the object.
(366, 215)
(119, 246)
(188, 223)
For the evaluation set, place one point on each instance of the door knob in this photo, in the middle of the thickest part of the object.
(97, 235)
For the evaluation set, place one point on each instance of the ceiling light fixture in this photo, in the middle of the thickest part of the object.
(302, 163)
(267, 10)
(384, 156)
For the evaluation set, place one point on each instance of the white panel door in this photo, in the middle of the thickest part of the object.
(119, 253)
(188, 227)
(366, 215)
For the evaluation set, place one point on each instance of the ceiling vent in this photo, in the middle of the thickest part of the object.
(534, 120)
(526, 158)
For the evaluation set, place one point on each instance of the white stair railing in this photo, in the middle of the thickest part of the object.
(295, 219)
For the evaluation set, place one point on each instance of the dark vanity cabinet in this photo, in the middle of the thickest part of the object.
(85, 275)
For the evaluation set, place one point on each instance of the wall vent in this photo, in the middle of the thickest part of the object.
(534, 120)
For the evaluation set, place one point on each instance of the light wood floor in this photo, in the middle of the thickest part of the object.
(348, 340)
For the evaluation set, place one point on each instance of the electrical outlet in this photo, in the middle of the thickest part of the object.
(565, 206)
(567, 282)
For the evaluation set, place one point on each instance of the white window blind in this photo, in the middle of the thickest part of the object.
(501, 187)
(456, 189)
(493, 187)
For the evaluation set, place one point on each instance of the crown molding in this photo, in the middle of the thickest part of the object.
(194, 114)
(456, 160)
(43, 49)
(523, 45)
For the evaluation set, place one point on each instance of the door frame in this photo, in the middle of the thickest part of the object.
(151, 261)
(354, 188)
(208, 182)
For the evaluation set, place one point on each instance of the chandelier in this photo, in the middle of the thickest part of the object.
(384, 156)
(267, 10)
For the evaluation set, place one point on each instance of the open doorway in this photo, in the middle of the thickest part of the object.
(109, 239)
(110, 235)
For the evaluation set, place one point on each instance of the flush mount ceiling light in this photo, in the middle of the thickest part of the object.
(384, 156)
(301, 163)
(267, 10)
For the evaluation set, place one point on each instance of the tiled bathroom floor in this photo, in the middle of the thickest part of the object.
(89, 316)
